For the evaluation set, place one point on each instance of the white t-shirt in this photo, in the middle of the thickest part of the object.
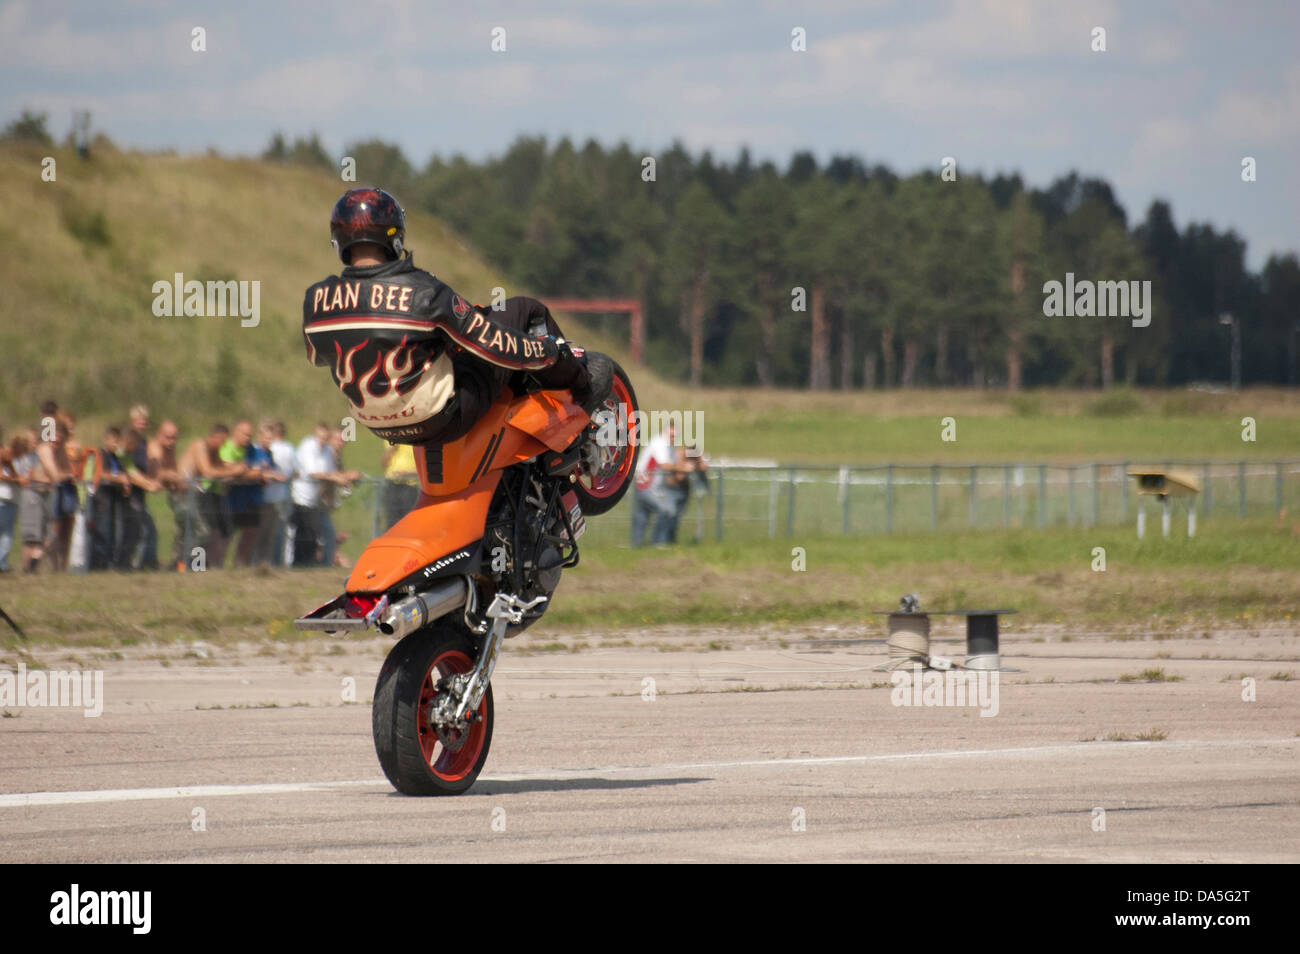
(657, 455)
(285, 462)
(313, 458)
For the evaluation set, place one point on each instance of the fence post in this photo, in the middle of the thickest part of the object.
(973, 471)
(772, 492)
(1042, 496)
(717, 530)
(378, 484)
(1096, 495)
(1020, 495)
(1241, 490)
(1069, 504)
(844, 500)
(1207, 490)
(1006, 496)
(934, 498)
(1278, 482)
(1123, 479)
(789, 510)
(889, 498)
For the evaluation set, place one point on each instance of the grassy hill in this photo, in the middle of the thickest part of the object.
(81, 255)
(79, 263)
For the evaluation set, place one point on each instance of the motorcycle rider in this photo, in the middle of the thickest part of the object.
(418, 363)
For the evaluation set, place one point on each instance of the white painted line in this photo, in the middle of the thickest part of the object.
(35, 799)
(28, 799)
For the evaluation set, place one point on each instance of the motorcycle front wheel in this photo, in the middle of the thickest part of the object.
(412, 753)
(605, 476)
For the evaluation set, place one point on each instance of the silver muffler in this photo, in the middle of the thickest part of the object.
(409, 614)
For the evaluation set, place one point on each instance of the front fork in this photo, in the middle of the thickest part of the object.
(465, 690)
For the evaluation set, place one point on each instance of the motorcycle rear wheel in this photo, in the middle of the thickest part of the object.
(410, 751)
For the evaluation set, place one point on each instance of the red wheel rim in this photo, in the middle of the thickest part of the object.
(443, 762)
(617, 461)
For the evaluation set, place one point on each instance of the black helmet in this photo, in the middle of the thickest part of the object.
(367, 215)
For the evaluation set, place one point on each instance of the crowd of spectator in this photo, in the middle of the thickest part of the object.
(241, 496)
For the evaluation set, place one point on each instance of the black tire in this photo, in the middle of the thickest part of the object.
(593, 504)
(395, 715)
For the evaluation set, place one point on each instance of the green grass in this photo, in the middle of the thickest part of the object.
(1230, 576)
(848, 436)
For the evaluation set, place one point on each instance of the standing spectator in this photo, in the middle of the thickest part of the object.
(163, 469)
(84, 463)
(315, 467)
(207, 516)
(284, 462)
(333, 494)
(110, 489)
(245, 494)
(254, 543)
(9, 486)
(650, 491)
(311, 523)
(401, 482)
(139, 533)
(64, 499)
(688, 474)
(34, 487)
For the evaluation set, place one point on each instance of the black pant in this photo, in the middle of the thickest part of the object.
(103, 512)
(138, 533)
(309, 529)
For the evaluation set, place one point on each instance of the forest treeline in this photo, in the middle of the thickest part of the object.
(847, 275)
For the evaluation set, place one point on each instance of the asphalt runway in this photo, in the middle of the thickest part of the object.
(753, 753)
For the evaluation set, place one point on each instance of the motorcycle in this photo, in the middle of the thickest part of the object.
(477, 562)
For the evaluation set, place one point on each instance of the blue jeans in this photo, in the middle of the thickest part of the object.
(8, 511)
(647, 505)
(331, 541)
(678, 498)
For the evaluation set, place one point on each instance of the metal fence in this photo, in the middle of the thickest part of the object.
(751, 503)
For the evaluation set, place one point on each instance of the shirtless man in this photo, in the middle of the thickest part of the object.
(207, 520)
(162, 457)
(53, 455)
(163, 469)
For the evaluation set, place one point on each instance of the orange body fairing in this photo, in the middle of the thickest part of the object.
(453, 505)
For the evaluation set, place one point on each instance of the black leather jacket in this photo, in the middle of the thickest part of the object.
(416, 361)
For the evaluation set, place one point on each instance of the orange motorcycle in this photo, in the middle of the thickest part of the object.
(476, 562)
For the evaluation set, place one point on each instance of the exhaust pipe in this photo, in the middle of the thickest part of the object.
(408, 615)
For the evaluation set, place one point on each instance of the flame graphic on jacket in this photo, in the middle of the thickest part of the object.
(401, 399)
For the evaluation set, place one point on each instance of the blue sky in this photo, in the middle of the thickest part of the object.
(1183, 92)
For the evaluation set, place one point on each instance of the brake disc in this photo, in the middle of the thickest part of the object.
(451, 734)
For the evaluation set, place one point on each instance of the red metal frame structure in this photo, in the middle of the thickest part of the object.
(629, 306)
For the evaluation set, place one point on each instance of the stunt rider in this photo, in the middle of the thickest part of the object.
(418, 363)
